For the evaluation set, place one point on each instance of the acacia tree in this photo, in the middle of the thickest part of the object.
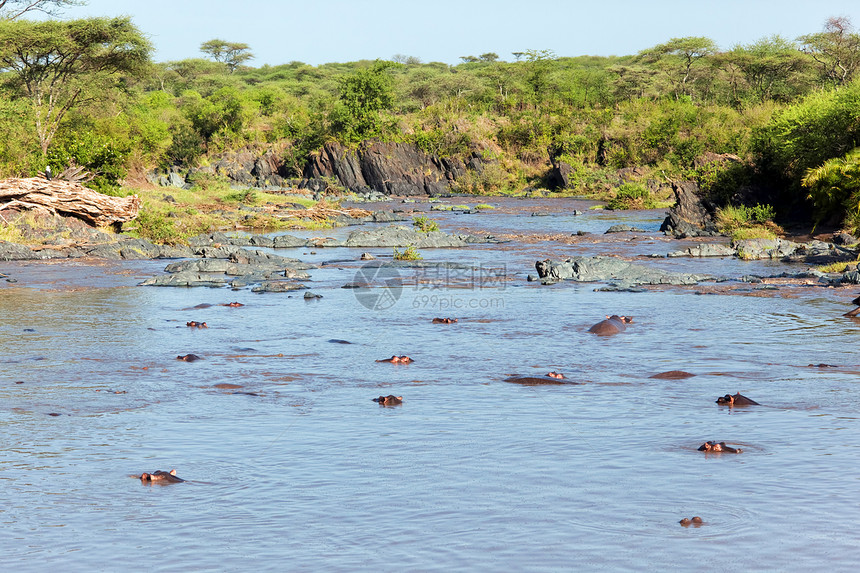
(680, 55)
(768, 69)
(836, 50)
(62, 65)
(233, 54)
(12, 9)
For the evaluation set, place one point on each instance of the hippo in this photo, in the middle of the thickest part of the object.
(160, 477)
(736, 400)
(444, 320)
(554, 374)
(538, 380)
(233, 304)
(195, 324)
(672, 375)
(398, 360)
(695, 522)
(390, 400)
(189, 358)
(718, 447)
(339, 341)
(612, 325)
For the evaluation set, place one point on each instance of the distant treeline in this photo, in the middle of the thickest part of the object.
(785, 108)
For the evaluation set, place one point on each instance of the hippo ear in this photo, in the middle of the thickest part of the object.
(173, 472)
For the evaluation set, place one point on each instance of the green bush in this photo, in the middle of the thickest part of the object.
(155, 226)
(425, 224)
(834, 187)
(631, 196)
(99, 154)
(410, 253)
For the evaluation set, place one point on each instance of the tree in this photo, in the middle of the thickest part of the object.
(13, 9)
(767, 68)
(62, 65)
(680, 55)
(232, 54)
(836, 50)
(363, 95)
(539, 63)
(404, 59)
(489, 57)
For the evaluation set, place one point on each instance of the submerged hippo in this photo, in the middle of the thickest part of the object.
(195, 324)
(398, 360)
(673, 375)
(718, 447)
(539, 380)
(189, 358)
(612, 325)
(736, 400)
(554, 374)
(161, 477)
(233, 304)
(695, 522)
(444, 320)
(390, 400)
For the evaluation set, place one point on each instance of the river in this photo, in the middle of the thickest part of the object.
(298, 470)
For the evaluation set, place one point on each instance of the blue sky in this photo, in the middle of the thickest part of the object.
(317, 32)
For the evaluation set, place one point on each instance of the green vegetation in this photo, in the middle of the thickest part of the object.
(741, 222)
(85, 92)
(410, 253)
(631, 196)
(837, 267)
(424, 224)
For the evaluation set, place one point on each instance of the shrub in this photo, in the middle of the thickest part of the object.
(834, 187)
(425, 224)
(410, 253)
(99, 154)
(631, 196)
(155, 226)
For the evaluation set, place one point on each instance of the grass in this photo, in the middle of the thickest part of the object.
(483, 206)
(172, 215)
(742, 222)
(410, 253)
(753, 232)
(837, 267)
(425, 224)
(631, 196)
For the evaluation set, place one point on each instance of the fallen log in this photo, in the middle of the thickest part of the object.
(68, 199)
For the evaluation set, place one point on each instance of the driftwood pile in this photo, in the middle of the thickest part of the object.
(67, 198)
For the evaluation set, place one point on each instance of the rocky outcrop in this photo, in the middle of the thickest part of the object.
(559, 175)
(691, 216)
(397, 236)
(389, 168)
(374, 167)
(600, 269)
(811, 253)
(236, 267)
(242, 169)
(222, 244)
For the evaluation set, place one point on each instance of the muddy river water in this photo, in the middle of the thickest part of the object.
(293, 467)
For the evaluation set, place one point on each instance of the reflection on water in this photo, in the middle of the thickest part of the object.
(292, 466)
